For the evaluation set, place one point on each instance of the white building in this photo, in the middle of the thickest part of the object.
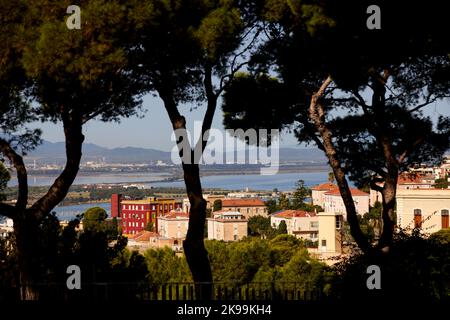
(318, 193)
(427, 209)
(227, 226)
(299, 223)
(333, 202)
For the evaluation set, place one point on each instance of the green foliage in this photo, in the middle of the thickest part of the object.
(271, 205)
(441, 183)
(416, 268)
(282, 228)
(5, 176)
(165, 266)
(258, 260)
(300, 194)
(217, 205)
(150, 227)
(94, 218)
(259, 226)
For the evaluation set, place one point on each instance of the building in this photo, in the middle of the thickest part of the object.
(136, 214)
(299, 223)
(209, 198)
(318, 192)
(427, 209)
(6, 227)
(115, 205)
(405, 181)
(174, 224)
(330, 234)
(227, 226)
(333, 202)
(145, 240)
(248, 207)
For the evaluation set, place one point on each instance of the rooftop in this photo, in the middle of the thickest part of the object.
(293, 213)
(242, 203)
(354, 191)
(325, 186)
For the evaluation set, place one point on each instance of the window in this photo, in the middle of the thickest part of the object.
(417, 218)
(235, 237)
(314, 224)
(153, 207)
(124, 215)
(324, 243)
(444, 218)
(338, 222)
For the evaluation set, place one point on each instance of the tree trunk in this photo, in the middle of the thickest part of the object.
(194, 246)
(388, 195)
(26, 236)
(317, 115)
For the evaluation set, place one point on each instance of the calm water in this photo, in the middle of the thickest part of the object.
(96, 178)
(282, 181)
(70, 212)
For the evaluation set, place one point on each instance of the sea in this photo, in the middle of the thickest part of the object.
(281, 181)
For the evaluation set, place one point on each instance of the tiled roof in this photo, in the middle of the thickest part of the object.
(144, 236)
(175, 214)
(242, 203)
(354, 191)
(293, 213)
(412, 179)
(325, 186)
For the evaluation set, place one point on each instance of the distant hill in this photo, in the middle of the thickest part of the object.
(54, 152)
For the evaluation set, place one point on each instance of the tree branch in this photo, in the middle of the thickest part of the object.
(8, 211)
(317, 115)
(72, 123)
(21, 171)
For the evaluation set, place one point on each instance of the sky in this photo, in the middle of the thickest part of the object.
(154, 129)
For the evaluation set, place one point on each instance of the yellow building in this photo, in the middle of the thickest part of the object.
(227, 226)
(427, 209)
(330, 233)
(173, 225)
(249, 207)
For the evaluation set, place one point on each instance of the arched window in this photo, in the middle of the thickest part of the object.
(417, 218)
(444, 218)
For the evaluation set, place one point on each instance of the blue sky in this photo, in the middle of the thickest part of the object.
(154, 129)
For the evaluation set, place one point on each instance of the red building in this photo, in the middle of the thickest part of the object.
(137, 214)
(115, 205)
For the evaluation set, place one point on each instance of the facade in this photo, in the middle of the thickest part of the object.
(318, 192)
(174, 224)
(115, 205)
(248, 207)
(227, 226)
(333, 202)
(405, 181)
(210, 198)
(427, 209)
(136, 214)
(6, 227)
(145, 240)
(301, 224)
(330, 233)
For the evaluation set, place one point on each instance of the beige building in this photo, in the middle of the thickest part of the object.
(330, 233)
(427, 209)
(210, 199)
(405, 181)
(227, 226)
(333, 202)
(318, 193)
(173, 225)
(299, 223)
(145, 240)
(248, 207)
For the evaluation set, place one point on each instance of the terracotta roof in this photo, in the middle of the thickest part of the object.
(293, 213)
(144, 236)
(242, 203)
(325, 186)
(411, 179)
(354, 191)
(174, 214)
